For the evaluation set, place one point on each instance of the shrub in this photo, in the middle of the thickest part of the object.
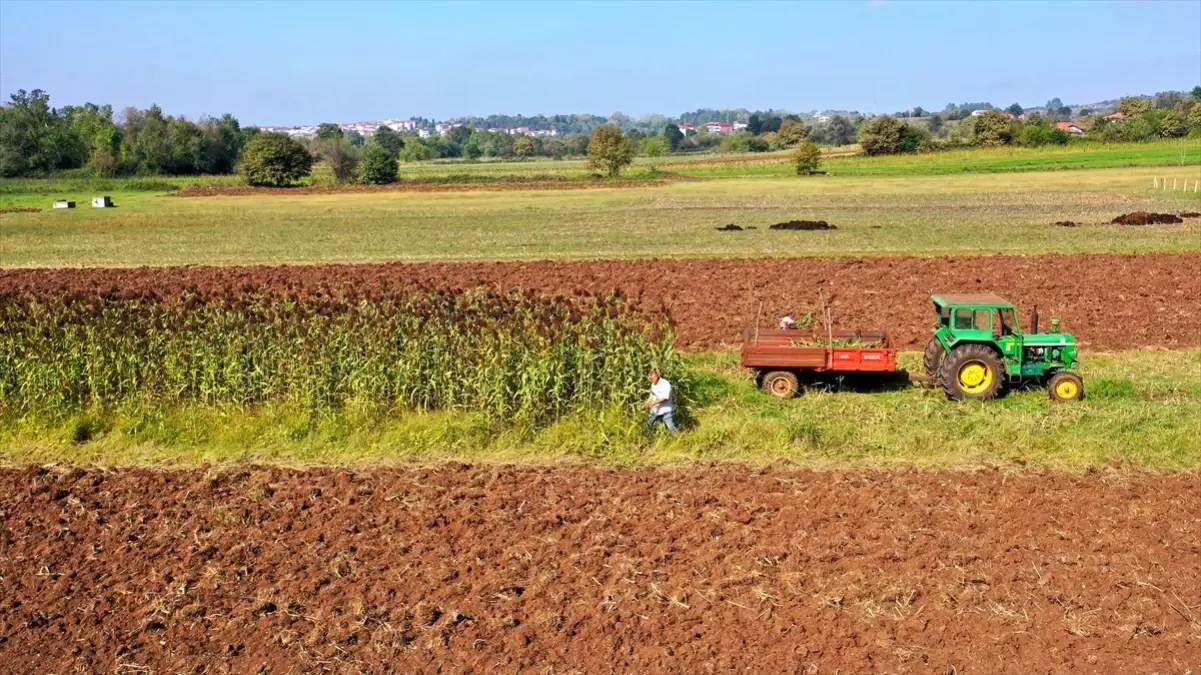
(655, 146)
(807, 156)
(275, 160)
(609, 151)
(378, 166)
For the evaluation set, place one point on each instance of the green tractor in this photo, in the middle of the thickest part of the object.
(978, 348)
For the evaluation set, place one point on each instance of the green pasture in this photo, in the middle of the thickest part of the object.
(965, 213)
(1142, 408)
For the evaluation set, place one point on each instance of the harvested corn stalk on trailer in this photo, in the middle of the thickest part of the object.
(780, 357)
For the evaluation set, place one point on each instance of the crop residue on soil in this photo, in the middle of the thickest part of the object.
(803, 225)
(1190, 214)
(1145, 218)
(723, 568)
(731, 227)
(1104, 299)
(1068, 223)
(20, 209)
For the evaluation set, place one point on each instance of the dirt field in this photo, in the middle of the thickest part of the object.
(502, 185)
(459, 569)
(1110, 301)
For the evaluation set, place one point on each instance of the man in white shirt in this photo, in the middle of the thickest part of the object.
(660, 404)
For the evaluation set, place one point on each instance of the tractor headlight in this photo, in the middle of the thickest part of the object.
(1055, 354)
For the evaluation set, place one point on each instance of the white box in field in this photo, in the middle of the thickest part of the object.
(64, 204)
(102, 202)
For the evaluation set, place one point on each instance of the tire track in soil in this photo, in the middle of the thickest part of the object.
(711, 569)
(1110, 301)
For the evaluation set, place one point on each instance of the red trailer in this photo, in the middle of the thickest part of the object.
(780, 357)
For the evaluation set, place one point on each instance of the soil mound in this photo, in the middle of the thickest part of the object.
(1190, 214)
(20, 209)
(1146, 218)
(732, 228)
(721, 568)
(1068, 223)
(804, 225)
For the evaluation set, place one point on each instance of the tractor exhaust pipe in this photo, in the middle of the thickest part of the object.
(1034, 321)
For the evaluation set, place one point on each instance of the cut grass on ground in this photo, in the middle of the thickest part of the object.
(1143, 407)
(901, 215)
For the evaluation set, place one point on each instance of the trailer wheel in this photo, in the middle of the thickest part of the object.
(1065, 386)
(781, 384)
(932, 357)
(972, 372)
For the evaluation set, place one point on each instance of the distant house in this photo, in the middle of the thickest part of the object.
(1116, 116)
(977, 113)
(685, 127)
(1069, 127)
(739, 126)
(1024, 116)
(719, 127)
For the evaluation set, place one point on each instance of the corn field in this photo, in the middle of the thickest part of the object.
(509, 354)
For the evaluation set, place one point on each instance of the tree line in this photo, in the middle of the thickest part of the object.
(36, 139)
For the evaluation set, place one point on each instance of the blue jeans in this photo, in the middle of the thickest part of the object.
(667, 418)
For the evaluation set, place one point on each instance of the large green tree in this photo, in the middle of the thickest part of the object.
(275, 160)
(609, 151)
(389, 140)
(792, 132)
(881, 136)
(378, 166)
(329, 130)
(33, 138)
(674, 136)
(1134, 105)
(523, 147)
(416, 150)
(992, 128)
(840, 131)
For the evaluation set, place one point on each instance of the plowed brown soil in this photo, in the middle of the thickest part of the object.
(1110, 301)
(413, 186)
(492, 569)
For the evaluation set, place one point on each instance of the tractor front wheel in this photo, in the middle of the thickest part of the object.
(932, 357)
(972, 372)
(1066, 386)
(781, 384)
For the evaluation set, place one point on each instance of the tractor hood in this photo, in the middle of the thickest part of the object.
(1048, 340)
(1060, 348)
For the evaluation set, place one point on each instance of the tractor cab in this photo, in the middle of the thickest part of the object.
(979, 337)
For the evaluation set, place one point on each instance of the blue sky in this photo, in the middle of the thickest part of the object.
(305, 62)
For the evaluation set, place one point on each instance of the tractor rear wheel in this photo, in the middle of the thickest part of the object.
(781, 384)
(1065, 386)
(972, 372)
(932, 358)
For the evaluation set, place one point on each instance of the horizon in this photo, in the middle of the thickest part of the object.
(218, 66)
